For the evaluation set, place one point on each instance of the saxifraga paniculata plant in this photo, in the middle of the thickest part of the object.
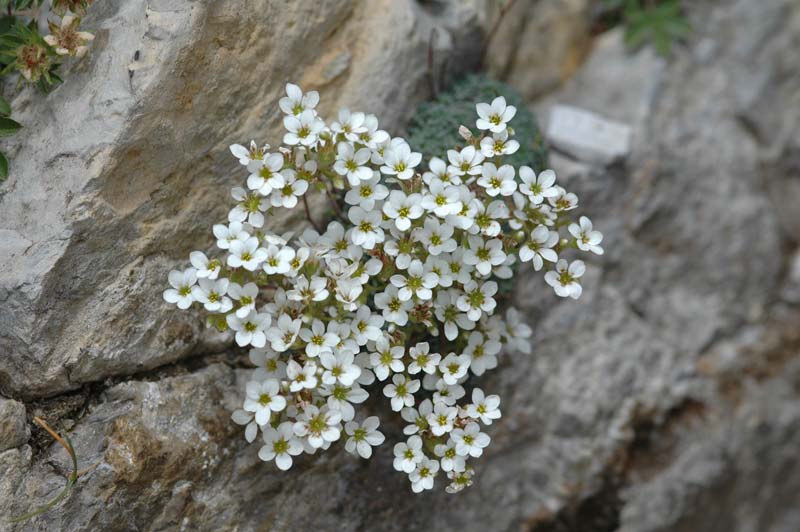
(396, 295)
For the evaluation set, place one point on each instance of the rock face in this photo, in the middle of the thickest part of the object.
(667, 398)
(123, 169)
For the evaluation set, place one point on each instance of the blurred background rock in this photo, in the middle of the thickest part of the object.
(666, 399)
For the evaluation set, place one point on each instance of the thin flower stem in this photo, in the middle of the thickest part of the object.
(334, 204)
(308, 215)
(492, 32)
(71, 479)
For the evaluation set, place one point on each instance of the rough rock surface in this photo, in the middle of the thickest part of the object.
(122, 170)
(14, 429)
(667, 398)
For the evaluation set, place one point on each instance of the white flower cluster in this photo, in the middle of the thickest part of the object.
(399, 288)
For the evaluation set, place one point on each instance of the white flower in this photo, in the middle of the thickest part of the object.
(402, 209)
(408, 454)
(441, 269)
(587, 238)
(295, 102)
(466, 162)
(448, 313)
(301, 255)
(372, 136)
(280, 445)
(453, 367)
(247, 254)
(438, 170)
(460, 480)
(496, 116)
(227, 234)
(268, 364)
(245, 155)
(401, 391)
(423, 359)
(318, 425)
(417, 417)
(563, 201)
(484, 254)
(441, 199)
(485, 408)
(539, 247)
(482, 352)
(422, 477)
(181, 291)
(366, 227)
(309, 290)
(498, 144)
(366, 326)
(302, 129)
(565, 278)
(352, 164)
(265, 174)
(477, 299)
(351, 125)
(206, 269)
(363, 437)
(486, 217)
(470, 440)
(212, 295)
(250, 329)
(399, 247)
(435, 236)
(442, 418)
(263, 399)
(347, 292)
(386, 359)
(249, 209)
(339, 367)
(340, 397)
(366, 193)
(301, 377)
(465, 217)
(286, 196)
(317, 340)
(400, 161)
(416, 283)
(498, 180)
(449, 458)
(537, 188)
(461, 272)
(394, 309)
(448, 394)
(284, 333)
(278, 259)
(245, 295)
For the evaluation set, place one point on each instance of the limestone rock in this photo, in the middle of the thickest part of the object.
(14, 429)
(539, 44)
(668, 389)
(121, 171)
(588, 136)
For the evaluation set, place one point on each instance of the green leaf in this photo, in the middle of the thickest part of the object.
(5, 109)
(6, 22)
(660, 24)
(8, 126)
(3, 167)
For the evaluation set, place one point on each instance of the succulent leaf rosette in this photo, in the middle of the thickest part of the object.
(396, 295)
